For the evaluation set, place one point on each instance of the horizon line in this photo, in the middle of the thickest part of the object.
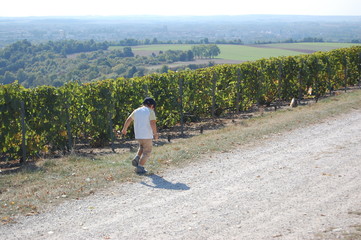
(155, 15)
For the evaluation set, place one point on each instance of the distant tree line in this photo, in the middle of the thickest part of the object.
(136, 42)
(54, 63)
(60, 47)
(290, 40)
(206, 51)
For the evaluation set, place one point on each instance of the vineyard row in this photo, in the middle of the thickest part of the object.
(47, 119)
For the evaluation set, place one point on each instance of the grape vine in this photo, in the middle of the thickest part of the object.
(55, 118)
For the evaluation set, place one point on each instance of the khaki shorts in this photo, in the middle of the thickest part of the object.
(145, 149)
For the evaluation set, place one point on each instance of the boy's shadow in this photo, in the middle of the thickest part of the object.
(160, 182)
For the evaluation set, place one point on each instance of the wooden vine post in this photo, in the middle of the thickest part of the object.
(344, 63)
(68, 128)
(110, 120)
(359, 71)
(23, 128)
(300, 93)
(181, 82)
(238, 86)
(317, 87)
(214, 86)
(111, 130)
(328, 71)
(278, 101)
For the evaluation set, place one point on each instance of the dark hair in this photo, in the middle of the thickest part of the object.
(149, 101)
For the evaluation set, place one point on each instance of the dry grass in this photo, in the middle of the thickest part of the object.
(242, 132)
(355, 233)
(351, 233)
(48, 182)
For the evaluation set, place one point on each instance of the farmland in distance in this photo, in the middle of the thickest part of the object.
(242, 53)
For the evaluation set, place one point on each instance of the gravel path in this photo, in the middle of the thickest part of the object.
(289, 186)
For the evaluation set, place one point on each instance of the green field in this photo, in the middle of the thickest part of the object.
(314, 46)
(229, 52)
(248, 52)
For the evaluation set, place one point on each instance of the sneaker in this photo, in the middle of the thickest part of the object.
(135, 161)
(140, 170)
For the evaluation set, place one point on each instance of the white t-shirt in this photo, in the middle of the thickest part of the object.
(142, 117)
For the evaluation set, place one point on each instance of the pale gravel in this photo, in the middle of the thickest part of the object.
(288, 186)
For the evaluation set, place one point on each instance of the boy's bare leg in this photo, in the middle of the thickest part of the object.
(135, 161)
(140, 151)
(147, 145)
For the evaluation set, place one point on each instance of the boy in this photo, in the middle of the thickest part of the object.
(145, 129)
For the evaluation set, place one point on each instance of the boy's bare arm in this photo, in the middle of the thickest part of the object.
(153, 124)
(126, 125)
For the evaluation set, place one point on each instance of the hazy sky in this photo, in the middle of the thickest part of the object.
(182, 7)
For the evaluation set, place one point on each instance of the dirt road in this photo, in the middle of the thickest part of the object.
(290, 186)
